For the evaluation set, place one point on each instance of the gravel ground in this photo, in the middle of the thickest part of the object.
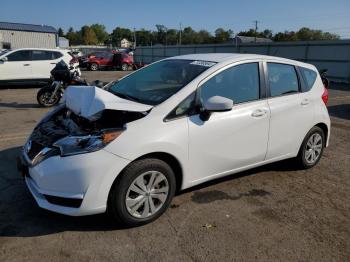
(271, 213)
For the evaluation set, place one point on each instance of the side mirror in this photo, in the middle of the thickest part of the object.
(215, 104)
(4, 59)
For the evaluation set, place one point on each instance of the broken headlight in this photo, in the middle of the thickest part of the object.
(72, 145)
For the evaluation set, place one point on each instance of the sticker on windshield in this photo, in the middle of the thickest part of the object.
(203, 63)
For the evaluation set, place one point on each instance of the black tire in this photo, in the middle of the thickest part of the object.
(44, 94)
(301, 159)
(125, 67)
(117, 207)
(94, 67)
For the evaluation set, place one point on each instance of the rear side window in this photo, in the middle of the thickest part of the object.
(38, 55)
(22, 55)
(56, 55)
(309, 78)
(282, 79)
(240, 83)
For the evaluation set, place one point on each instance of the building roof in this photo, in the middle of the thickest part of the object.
(27, 27)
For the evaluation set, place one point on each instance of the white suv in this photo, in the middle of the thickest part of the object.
(31, 65)
(172, 125)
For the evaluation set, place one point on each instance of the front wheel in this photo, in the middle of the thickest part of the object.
(142, 193)
(45, 99)
(311, 149)
(125, 67)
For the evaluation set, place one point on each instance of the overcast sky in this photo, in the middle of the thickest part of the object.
(332, 16)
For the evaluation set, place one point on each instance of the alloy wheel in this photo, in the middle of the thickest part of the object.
(147, 194)
(313, 148)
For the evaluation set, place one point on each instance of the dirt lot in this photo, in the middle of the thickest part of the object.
(272, 213)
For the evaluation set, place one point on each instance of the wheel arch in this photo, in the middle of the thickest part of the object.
(170, 159)
(324, 128)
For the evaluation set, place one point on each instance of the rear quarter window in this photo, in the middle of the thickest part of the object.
(309, 78)
(56, 55)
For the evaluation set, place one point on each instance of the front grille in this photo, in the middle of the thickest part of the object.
(63, 201)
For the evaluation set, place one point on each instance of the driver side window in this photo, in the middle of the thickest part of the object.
(240, 83)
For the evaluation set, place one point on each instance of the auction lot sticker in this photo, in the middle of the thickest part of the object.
(203, 63)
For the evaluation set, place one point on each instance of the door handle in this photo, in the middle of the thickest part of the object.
(26, 65)
(305, 102)
(259, 113)
(53, 63)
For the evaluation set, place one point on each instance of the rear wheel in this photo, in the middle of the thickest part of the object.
(311, 149)
(45, 99)
(94, 67)
(142, 193)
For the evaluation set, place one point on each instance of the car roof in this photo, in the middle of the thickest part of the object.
(43, 49)
(234, 57)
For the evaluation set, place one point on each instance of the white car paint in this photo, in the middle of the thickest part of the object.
(88, 101)
(251, 134)
(31, 70)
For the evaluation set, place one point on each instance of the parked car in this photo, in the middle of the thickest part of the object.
(100, 60)
(104, 60)
(172, 125)
(123, 61)
(77, 54)
(83, 61)
(32, 65)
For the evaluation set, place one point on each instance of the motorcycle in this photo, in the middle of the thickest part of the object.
(62, 76)
(324, 78)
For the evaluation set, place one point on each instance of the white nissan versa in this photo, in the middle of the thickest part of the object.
(171, 125)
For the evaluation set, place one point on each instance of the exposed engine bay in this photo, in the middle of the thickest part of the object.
(66, 123)
(89, 119)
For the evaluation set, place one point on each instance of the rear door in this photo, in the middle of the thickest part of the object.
(43, 62)
(291, 113)
(18, 66)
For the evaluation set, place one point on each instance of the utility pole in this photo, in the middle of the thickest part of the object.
(256, 28)
(180, 33)
(166, 36)
(134, 38)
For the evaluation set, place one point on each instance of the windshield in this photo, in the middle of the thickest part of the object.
(155, 83)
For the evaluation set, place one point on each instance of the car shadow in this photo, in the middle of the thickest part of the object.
(21, 217)
(19, 106)
(340, 111)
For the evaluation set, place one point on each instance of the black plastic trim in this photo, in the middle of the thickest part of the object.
(63, 201)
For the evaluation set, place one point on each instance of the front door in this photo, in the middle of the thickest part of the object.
(17, 67)
(235, 139)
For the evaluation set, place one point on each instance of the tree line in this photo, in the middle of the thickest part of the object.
(96, 34)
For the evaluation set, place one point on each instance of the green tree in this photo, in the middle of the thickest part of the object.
(74, 37)
(120, 33)
(88, 35)
(60, 32)
(222, 36)
(100, 32)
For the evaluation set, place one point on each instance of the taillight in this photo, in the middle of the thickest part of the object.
(325, 96)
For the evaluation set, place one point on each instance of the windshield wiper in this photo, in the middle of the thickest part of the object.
(128, 97)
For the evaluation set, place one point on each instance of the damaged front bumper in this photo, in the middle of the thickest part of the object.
(74, 185)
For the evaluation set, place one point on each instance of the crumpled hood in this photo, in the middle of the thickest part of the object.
(89, 101)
